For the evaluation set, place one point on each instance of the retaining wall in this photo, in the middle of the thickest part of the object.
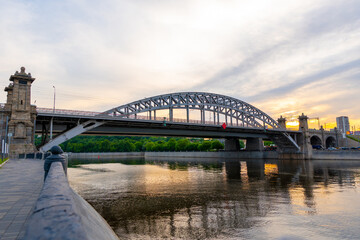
(60, 213)
(317, 155)
(105, 155)
(241, 155)
(336, 155)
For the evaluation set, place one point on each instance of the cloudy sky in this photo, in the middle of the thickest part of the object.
(284, 57)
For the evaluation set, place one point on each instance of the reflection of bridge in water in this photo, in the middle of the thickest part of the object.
(141, 117)
(192, 210)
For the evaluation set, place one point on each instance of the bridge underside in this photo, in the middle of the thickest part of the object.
(134, 127)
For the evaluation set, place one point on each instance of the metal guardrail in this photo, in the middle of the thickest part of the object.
(66, 112)
(161, 119)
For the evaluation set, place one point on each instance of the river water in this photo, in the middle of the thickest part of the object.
(217, 199)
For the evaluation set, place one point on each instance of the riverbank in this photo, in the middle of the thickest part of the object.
(317, 155)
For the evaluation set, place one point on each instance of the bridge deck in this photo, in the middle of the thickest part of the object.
(20, 183)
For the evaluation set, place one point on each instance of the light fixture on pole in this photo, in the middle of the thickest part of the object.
(54, 99)
(52, 119)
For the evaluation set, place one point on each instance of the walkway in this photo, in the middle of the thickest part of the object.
(20, 185)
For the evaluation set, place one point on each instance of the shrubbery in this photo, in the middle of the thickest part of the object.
(138, 144)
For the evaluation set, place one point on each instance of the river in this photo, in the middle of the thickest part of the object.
(218, 199)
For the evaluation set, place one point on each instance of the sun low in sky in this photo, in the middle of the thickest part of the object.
(284, 57)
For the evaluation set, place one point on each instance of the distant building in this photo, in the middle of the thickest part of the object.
(343, 124)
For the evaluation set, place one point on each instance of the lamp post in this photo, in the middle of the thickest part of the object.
(54, 99)
(52, 119)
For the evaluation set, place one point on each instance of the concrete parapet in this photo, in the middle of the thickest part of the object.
(62, 214)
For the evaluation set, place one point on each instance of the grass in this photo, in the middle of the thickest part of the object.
(1, 161)
(353, 138)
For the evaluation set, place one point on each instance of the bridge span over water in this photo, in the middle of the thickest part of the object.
(242, 120)
(183, 109)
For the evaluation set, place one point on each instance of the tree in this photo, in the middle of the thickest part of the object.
(105, 145)
(242, 144)
(181, 144)
(192, 146)
(171, 144)
(216, 144)
(205, 146)
(149, 146)
(139, 146)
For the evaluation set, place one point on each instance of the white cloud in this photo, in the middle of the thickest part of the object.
(100, 54)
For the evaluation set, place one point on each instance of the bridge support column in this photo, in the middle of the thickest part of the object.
(187, 114)
(323, 139)
(232, 144)
(171, 112)
(305, 144)
(254, 144)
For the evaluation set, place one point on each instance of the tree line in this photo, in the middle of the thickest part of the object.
(137, 144)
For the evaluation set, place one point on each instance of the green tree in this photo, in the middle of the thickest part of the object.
(181, 144)
(149, 146)
(216, 144)
(242, 144)
(205, 146)
(139, 146)
(105, 146)
(192, 146)
(171, 145)
(268, 143)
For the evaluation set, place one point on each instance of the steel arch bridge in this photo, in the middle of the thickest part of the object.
(245, 120)
(236, 110)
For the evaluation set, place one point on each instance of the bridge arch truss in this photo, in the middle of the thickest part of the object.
(235, 111)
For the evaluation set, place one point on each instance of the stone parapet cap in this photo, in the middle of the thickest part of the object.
(22, 75)
(303, 117)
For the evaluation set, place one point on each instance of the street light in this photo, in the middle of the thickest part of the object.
(54, 99)
(52, 119)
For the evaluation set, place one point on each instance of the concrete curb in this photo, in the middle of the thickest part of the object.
(4, 163)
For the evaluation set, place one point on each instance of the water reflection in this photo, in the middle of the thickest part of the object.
(223, 199)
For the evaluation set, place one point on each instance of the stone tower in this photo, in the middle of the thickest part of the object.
(21, 114)
(305, 144)
(282, 122)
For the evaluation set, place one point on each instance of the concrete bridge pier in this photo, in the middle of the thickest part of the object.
(232, 144)
(254, 144)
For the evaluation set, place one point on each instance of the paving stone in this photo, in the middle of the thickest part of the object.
(22, 181)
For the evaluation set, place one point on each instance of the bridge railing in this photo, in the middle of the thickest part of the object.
(141, 117)
(67, 112)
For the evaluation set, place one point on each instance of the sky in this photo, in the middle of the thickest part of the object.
(284, 57)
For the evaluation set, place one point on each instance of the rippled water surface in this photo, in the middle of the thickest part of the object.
(230, 199)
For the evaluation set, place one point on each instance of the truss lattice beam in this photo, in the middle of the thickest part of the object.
(236, 109)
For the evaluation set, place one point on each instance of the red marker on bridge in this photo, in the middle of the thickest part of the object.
(224, 125)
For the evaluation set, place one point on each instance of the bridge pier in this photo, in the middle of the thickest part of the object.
(254, 144)
(232, 144)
